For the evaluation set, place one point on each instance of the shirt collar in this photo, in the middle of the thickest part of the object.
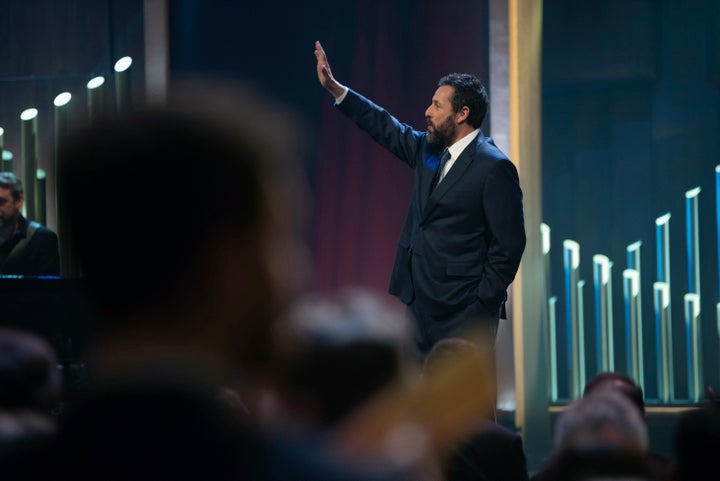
(457, 148)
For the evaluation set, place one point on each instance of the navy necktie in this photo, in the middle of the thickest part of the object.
(441, 165)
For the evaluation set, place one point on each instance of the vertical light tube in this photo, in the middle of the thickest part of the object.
(545, 248)
(550, 312)
(633, 261)
(717, 220)
(663, 343)
(61, 117)
(40, 197)
(694, 347)
(95, 92)
(29, 134)
(662, 232)
(580, 341)
(693, 243)
(603, 313)
(123, 92)
(662, 236)
(571, 263)
(2, 146)
(552, 315)
(7, 161)
(633, 326)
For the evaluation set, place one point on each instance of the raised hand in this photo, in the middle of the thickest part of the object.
(324, 73)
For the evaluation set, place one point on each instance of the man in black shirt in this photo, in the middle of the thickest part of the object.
(26, 247)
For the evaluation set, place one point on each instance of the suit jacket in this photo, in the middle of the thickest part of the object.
(461, 244)
(30, 253)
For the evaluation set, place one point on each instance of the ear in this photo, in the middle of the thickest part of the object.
(462, 115)
(21, 200)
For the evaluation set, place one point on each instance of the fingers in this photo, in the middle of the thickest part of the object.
(320, 53)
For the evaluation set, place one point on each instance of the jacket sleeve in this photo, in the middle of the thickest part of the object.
(502, 200)
(399, 138)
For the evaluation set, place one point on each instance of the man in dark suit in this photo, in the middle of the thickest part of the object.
(26, 247)
(464, 233)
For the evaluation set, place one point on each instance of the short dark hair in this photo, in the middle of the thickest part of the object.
(10, 181)
(620, 381)
(470, 92)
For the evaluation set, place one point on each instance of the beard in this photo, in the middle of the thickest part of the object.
(8, 221)
(443, 134)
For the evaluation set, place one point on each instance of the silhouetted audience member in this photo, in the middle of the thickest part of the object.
(339, 349)
(600, 435)
(183, 218)
(488, 451)
(626, 385)
(620, 381)
(696, 442)
(27, 248)
(30, 387)
(600, 463)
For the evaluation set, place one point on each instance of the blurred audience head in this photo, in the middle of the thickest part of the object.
(340, 348)
(605, 418)
(30, 384)
(186, 217)
(477, 354)
(622, 383)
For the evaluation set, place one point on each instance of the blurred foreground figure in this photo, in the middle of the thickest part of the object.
(485, 450)
(696, 442)
(30, 388)
(184, 221)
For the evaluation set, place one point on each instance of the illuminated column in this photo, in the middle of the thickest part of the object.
(2, 144)
(123, 94)
(6, 161)
(61, 119)
(571, 262)
(717, 220)
(580, 343)
(40, 197)
(694, 347)
(662, 233)
(663, 343)
(29, 136)
(95, 91)
(603, 313)
(545, 249)
(633, 326)
(550, 312)
(693, 243)
(633, 262)
(552, 345)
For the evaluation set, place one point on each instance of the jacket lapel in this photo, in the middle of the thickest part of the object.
(454, 175)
